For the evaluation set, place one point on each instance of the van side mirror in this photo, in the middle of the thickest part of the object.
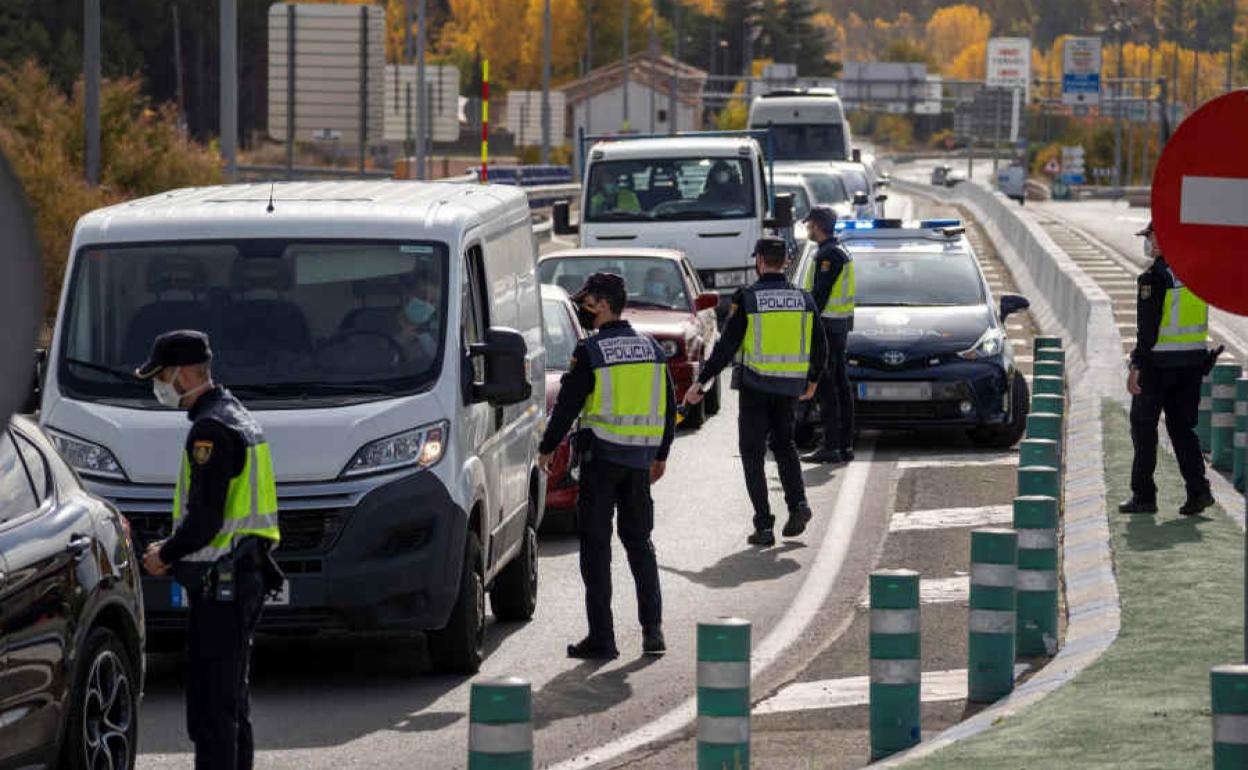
(783, 214)
(707, 300)
(857, 155)
(1012, 303)
(881, 198)
(36, 382)
(506, 377)
(560, 212)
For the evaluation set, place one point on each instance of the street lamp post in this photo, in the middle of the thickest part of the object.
(91, 95)
(546, 42)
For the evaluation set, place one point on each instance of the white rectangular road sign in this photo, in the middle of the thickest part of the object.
(1214, 200)
(1081, 70)
(1009, 64)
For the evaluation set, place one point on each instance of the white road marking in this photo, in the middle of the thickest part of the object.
(1023, 358)
(821, 575)
(955, 460)
(936, 687)
(945, 518)
(946, 590)
(1214, 200)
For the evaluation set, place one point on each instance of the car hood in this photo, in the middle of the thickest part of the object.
(927, 330)
(661, 323)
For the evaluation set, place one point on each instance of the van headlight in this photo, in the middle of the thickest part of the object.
(990, 344)
(421, 447)
(87, 458)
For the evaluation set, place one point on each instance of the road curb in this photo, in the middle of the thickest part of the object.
(1092, 602)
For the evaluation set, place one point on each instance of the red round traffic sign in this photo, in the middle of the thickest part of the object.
(1200, 202)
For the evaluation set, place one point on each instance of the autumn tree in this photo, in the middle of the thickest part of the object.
(952, 29)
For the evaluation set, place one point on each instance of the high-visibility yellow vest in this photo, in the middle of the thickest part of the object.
(1184, 320)
(628, 405)
(779, 328)
(250, 499)
(840, 304)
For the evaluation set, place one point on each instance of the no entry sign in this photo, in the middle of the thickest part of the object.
(1200, 202)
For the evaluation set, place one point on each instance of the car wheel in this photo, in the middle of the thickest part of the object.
(460, 647)
(514, 594)
(104, 711)
(1009, 434)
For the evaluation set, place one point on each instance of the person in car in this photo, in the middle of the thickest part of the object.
(418, 315)
(610, 197)
(658, 286)
(723, 186)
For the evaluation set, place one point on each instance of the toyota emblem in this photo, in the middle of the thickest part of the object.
(894, 358)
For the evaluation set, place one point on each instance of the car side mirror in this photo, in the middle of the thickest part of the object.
(560, 212)
(1012, 303)
(708, 300)
(881, 198)
(783, 214)
(36, 382)
(506, 376)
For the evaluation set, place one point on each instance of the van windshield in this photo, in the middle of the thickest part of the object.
(807, 141)
(670, 189)
(326, 321)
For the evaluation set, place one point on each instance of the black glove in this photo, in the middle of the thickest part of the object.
(1211, 358)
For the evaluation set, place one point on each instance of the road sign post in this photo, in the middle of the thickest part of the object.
(1081, 71)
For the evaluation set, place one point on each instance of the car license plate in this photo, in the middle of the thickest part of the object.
(281, 598)
(895, 391)
(730, 278)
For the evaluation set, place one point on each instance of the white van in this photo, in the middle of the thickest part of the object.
(806, 124)
(705, 196)
(387, 336)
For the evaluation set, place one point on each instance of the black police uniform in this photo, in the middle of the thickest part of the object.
(765, 416)
(611, 478)
(836, 396)
(1170, 382)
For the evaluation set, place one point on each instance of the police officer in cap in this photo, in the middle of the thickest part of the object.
(1167, 365)
(619, 385)
(779, 352)
(225, 513)
(831, 283)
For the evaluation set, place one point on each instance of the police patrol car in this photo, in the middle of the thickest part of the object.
(928, 347)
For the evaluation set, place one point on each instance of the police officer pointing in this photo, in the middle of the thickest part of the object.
(1167, 365)
(779, 354)
(225, 511)
(619, 385)
(832, 285)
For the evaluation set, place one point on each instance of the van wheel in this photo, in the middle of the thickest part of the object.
(460, 647)
(1009, 434)
(104, 709)
(712, 398)
(514, 594)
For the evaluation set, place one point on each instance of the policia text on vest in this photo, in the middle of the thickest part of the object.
(225, 512)
(778, 352)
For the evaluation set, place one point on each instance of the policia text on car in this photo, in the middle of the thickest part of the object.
(778, 350)
(1171, 356)
(225, 509)
(619, 384)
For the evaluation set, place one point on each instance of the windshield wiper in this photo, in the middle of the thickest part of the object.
(120, 374)
(647, 303)
(693, 214)
(625, 216)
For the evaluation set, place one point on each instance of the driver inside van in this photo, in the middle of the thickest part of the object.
(722, 186)
(418, 315)
(610, 197)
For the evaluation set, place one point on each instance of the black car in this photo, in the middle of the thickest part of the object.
(71, 616)
(928, 348)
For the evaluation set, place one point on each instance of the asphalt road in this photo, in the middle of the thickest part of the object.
(370, 702)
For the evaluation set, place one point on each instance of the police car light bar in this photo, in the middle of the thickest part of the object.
(896, 228)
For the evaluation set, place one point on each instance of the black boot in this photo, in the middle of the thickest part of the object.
(652, 642)
(1136, 504)
(825, 455)
(1197, 504)
(592, 649)
(763, 537)
(798, 518)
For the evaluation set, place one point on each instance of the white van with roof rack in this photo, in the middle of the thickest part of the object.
(388, 338)
(808, 124)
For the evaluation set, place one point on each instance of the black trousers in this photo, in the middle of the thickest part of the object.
(766, 420)
(836, 396)
(218, 693)
(1177, 393)
(605, 488)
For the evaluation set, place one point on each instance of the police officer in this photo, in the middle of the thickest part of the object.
(831, 283)
(619, 385)
(225, 512)
(780, 353)
(1167, 365)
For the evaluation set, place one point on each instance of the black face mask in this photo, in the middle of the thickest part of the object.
(586, 318)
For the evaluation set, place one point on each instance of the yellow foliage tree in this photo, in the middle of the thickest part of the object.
(952, 29)
(970, 64)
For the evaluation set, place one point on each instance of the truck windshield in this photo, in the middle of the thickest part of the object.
(288, 320)
(808, 141)
(670, 189)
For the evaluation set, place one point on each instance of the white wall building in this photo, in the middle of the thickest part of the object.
(596, 101)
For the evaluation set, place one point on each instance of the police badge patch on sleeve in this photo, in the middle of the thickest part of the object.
(1146, 290)
(201, 451)
(825, 265)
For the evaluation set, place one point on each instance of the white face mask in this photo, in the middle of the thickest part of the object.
(165, 392)
(1150, 250)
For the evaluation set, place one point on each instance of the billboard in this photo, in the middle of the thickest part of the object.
(1009, 64)
(442, 87)
(524, 117)
(1081, 71)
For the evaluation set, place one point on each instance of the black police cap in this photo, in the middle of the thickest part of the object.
(771, 248)
(605, 285)
(184, 347)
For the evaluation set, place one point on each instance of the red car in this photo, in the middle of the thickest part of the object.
(560, 333)
(666, 300)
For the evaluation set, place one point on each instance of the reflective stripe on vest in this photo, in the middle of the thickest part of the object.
(627, 406)
(778, 332)
(841, 299)
(250, 504)
(1184, 320)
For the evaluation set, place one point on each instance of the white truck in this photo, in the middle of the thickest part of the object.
(705, 195)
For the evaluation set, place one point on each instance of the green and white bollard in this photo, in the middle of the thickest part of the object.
(1045, 425)
(1222, 421)
(1038, 451)
(1039, 480)
(500, 725)
(1048, 368)
(724, 695)
(1229, 685)
(896, 668)
(1204, 417)
(1047, 403)
(1042, 342)
(1035, 521)
(1050, 354)
(1044, 385)
(1240, 460)
(990, 642)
